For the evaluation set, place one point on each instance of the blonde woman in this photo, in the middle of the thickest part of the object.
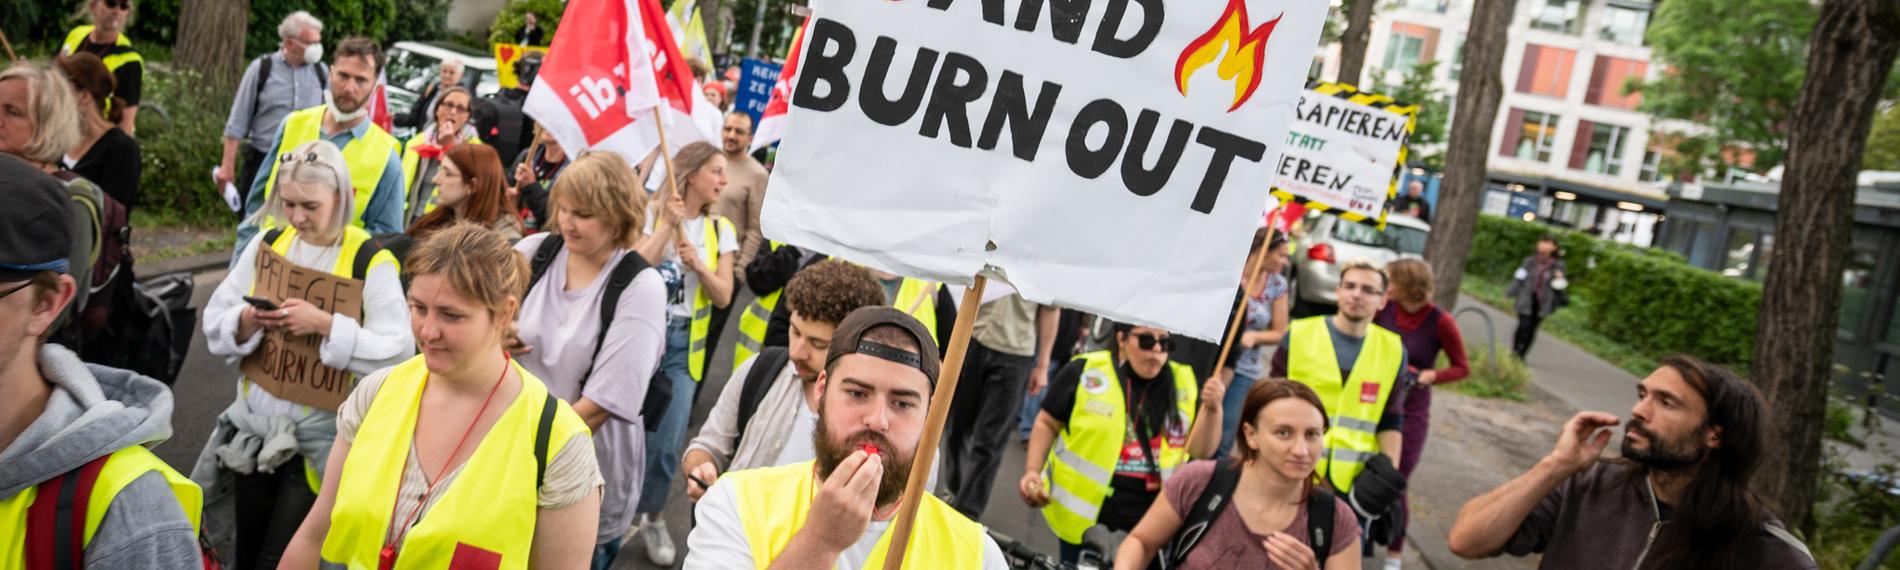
(593, 324)
(458, 457)
(272, 487)
(694, 251)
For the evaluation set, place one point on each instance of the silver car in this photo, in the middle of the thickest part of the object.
(1330, 241)
(413, 65)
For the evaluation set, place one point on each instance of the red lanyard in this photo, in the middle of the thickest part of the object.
(387, 558)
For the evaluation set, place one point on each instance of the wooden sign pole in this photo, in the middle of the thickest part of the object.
(9, 45)
(1253, 278)
(922, 463)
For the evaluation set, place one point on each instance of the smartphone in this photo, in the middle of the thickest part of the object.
(261, 303)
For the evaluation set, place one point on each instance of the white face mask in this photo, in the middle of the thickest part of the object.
(340, 116)
(312, 53)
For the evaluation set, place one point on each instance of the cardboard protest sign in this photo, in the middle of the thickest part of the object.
(756, 78)
(291, 367)
(1113, 160)
(1344, 152)
(505, 57)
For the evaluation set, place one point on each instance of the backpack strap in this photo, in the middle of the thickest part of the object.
(543, 257)
(1213, 500)
(270, 237)
(365, 255)
(263, 76)
(542, 431)
(1319, 522)
(630, 266)
(56, 522)
(765, 367)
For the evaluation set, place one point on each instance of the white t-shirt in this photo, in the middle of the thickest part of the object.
(798, 442)
(719, 541)
(681, 281)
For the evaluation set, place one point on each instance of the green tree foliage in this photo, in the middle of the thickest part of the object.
(1883, 143)
(513, 17)
(1734, 65)
(373, 19)
(1427, 145)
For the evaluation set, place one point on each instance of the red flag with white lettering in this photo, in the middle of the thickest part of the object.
(772, 121)
(612, 65)
(379, 103)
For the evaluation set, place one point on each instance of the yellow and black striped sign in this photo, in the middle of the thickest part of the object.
(1377, 101)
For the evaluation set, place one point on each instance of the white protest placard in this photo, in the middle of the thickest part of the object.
(1344, 151)
(1114, 160)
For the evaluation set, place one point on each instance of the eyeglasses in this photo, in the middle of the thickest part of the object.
(1368, 289)
(457, 107)
(118, 4)
(10, 292)
(1149, 342)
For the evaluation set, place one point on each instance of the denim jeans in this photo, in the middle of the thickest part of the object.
(663, 443)
(1231, 406)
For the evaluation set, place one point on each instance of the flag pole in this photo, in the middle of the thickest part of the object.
(922, 461)
(1254, 275)
(9, 45)
(666, 156)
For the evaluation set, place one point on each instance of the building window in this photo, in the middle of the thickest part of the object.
(1624, 24)
(1564, 16)
(1457, 58)
(1652, 166)
(1314, 71)
(1545, 71)
(1437, 6)
(1602, 151)
(1740, 251)
(1857, 282)
(1403, 52)
(1607, 79)
(1532, 138)
(1681, 236)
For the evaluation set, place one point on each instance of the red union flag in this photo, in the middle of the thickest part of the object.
(612, 66)
(379, 103)
(771, 126)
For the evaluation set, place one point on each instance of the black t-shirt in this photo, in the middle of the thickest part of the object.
(113, 163)
(130, 77)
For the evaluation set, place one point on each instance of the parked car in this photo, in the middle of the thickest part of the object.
(414, 65)
(1330, 241)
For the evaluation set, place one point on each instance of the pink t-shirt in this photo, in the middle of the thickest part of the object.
(1228, 543)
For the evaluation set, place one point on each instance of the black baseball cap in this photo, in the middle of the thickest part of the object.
(849, 339)
(34, 237)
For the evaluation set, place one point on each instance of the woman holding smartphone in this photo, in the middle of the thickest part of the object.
(245, 460)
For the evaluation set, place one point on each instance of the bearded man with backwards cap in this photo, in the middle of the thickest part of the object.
(836, 511)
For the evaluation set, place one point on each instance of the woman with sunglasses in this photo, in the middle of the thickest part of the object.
(1114, 426)
(1265, 521)
(422, 154)
(245, 460)
(458, 457)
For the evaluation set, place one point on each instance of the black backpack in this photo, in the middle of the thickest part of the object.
(659, 394)
(765, 368)
(1220, 492)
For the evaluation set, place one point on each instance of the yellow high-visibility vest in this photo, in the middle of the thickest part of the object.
(120, 55)
(491, 505)
(1353, 404)
(919, 298)
(774, 501)
(753, 322)
(702, 304)
(1082, 462)
(366, 156)
(121, 468)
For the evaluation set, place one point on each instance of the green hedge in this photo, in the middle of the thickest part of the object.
(179, 147)
(1648, 299)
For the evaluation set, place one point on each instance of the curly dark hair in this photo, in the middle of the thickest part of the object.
(829, 290)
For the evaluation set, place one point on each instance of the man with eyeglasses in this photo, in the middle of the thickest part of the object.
(106, 38)
(1355, 368)
(1114, 424)
(276, 83)
(369, 152)
(744, 195)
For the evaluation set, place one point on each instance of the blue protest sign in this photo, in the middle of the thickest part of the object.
(755, 86)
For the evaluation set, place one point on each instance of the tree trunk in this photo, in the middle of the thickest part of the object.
(1849, 56)
(211, 38)
(1480, 87)
(1352, 47)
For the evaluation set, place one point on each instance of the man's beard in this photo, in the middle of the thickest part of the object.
(1661, 454)
(339, 114)
(830, 453)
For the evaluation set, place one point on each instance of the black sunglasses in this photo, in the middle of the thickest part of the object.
(1149, 342)
(119, 4)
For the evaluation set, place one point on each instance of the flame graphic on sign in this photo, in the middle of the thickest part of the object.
(1241, 52)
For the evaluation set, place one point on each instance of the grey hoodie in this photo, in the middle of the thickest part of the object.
(95, 411)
